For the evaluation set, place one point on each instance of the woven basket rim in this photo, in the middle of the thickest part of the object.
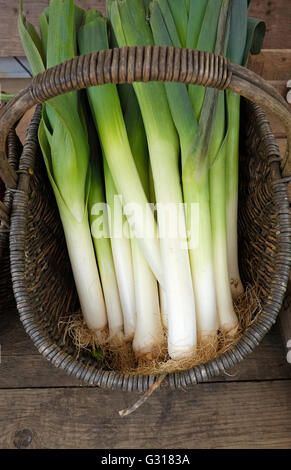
(200, 373)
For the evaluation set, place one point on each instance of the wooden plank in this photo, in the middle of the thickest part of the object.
(9, 39)
(272, 64)
(13, 85)
(33, 371)
(280, 85)
(23, 366)
(13, 338)
(277, 15)
(245, 415)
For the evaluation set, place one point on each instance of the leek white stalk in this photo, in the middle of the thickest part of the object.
(122, 255)
(130, 28)
(196, 193)
(163, 307)
(101, 238)
(82, 258)
(162, 293)
(148, 335)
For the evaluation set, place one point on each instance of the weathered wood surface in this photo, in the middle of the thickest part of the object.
(22, 366)
(13, 85)
(10, 44)
(221, 415)
(272, 64)
(276, 13)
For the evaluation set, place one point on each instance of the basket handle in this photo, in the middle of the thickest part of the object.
(140, 64)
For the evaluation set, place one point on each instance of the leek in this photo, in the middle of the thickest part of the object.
(196, 15)
(102, 243)
(195, 183)
(157, 196)
(130, 28)
(246, 34)
(227, 318)
(106, 109)
(64, 143)
(212, 125)
(122, 255)
(148, 338)
(163, 307)
(197, 148)
(206, 42)
(5, 97)
(180, 16)
(238, 33)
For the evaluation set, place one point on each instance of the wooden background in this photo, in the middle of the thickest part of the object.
(249, 407)
(275, 12)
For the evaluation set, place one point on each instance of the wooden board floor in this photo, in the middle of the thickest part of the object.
(249, 407)
(42, 407)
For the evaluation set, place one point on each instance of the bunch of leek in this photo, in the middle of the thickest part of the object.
(168, 144)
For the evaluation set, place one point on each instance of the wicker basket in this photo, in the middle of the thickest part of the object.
(6, 292)
(41, 273)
